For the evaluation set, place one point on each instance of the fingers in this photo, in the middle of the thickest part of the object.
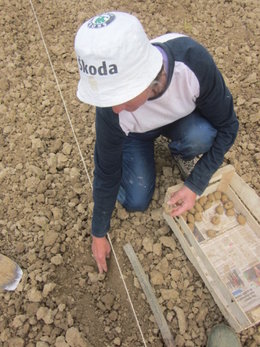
(177, 211)
(176, 198)
(102, 266)
(101, 262)
(181, 201)
(101, 251)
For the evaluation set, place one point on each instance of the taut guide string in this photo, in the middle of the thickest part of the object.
(84, 164)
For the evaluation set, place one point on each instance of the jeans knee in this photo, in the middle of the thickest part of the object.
(196, 142)
(136, 205)
(135, 200)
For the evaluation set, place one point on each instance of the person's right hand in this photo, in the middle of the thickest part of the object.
(101, 251)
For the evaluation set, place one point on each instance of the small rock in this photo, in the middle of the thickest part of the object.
(57, 259)
(41, 221)
(113, 316)
(175, 274)
(156, 214)
(108, 300)
(95, 277)
(74, 173)
(168, 241)
(169, 294)
(52, 163)
(15, 342)
(179, 341)
(202, 314)
(57, 213)
(251, 78)
(61, 307)
(61, 160)
(67, 148)
(181, 319)
(42, 344)
(74, 338)
(45, 314)
(4, 83)
(117, 341)
(18, 321)
(256, 337)
(157, 249)
(34, 295)
(167, 171)
(60, 342)
(48, 288)
(163, 266)
(148, 244)
(50, 238)
(55, 146)
(253, 118)
(122, 214)
(156, 277)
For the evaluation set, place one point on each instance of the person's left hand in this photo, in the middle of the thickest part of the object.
(181, 201)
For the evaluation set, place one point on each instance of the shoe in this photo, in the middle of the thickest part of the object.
(222, 335)
(185, 166)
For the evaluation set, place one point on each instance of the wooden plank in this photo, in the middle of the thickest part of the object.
(208, 280)
(226, 173)
(247, 195)
(246, 202)
(155, 307)
(241, 208)
(236, 309)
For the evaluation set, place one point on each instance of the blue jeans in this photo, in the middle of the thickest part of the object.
(189, 137)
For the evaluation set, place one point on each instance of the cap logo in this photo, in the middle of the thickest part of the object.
(103, 70)
(101, 21)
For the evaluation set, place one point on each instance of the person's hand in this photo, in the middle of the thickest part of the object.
(101, 251)
(181, 201)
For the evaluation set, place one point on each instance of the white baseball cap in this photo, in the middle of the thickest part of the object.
(116, 60)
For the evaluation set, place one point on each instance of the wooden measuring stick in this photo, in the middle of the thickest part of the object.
(155, 307)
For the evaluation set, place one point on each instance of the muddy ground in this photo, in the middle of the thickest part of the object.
(45, 194)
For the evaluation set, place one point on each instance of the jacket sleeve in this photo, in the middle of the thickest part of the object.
(215, 103)
(107, 173)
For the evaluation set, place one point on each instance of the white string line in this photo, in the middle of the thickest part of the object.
(61, 95)
(127, 292)
(83, 161)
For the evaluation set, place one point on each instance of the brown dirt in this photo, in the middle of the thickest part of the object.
(45, 195)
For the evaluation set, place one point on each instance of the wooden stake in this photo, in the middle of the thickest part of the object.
(155, 307)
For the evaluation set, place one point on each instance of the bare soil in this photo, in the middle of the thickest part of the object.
(45, 194)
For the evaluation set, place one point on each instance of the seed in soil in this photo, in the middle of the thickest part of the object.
(203, 200)
(230, 212)
(228, 205)
(190, 218)
(217, 195)
(224, 197)
(215, 220)
(198, 217)
(219, 209)
(241, 219)
(211, 233)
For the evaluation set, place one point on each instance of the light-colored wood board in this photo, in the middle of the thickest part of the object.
(247, 195)
(151, 298)
(206, 277)
(241, 208)
(246, 202)
(236, 309)
(225, 172)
